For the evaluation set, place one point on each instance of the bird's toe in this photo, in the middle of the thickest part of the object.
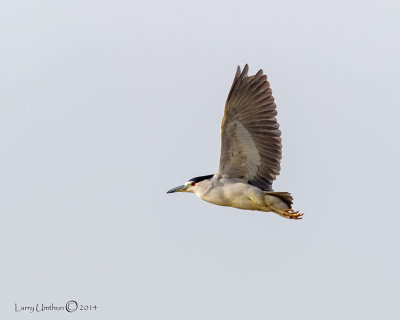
(291, 214)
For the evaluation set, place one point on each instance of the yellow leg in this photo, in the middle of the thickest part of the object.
(289, 214)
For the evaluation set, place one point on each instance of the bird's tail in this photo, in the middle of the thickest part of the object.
(286, 197)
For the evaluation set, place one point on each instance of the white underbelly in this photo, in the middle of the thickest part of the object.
(238, 195)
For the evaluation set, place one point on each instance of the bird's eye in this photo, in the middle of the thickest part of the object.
(193, 184)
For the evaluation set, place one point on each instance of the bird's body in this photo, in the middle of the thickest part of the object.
(237, 193)
(250, 152)
(234, 192)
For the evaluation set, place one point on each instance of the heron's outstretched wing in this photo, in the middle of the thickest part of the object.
(251, 139)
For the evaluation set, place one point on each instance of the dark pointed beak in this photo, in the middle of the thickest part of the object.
(177, 189)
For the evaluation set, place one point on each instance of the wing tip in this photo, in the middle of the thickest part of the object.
(245, 70)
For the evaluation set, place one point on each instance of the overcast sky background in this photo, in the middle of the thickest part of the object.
(105, 105)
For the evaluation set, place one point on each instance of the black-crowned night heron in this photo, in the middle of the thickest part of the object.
(250, 152)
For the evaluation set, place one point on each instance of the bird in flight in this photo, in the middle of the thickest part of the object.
(251, 152)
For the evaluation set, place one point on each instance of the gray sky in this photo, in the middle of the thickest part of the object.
(105, 105)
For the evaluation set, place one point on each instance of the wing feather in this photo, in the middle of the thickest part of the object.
(250, 135)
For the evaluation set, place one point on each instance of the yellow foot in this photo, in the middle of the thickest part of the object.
(291, 214)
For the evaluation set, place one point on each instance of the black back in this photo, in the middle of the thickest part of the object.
(201, 178)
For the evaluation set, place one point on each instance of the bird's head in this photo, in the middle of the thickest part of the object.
(191, 185)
